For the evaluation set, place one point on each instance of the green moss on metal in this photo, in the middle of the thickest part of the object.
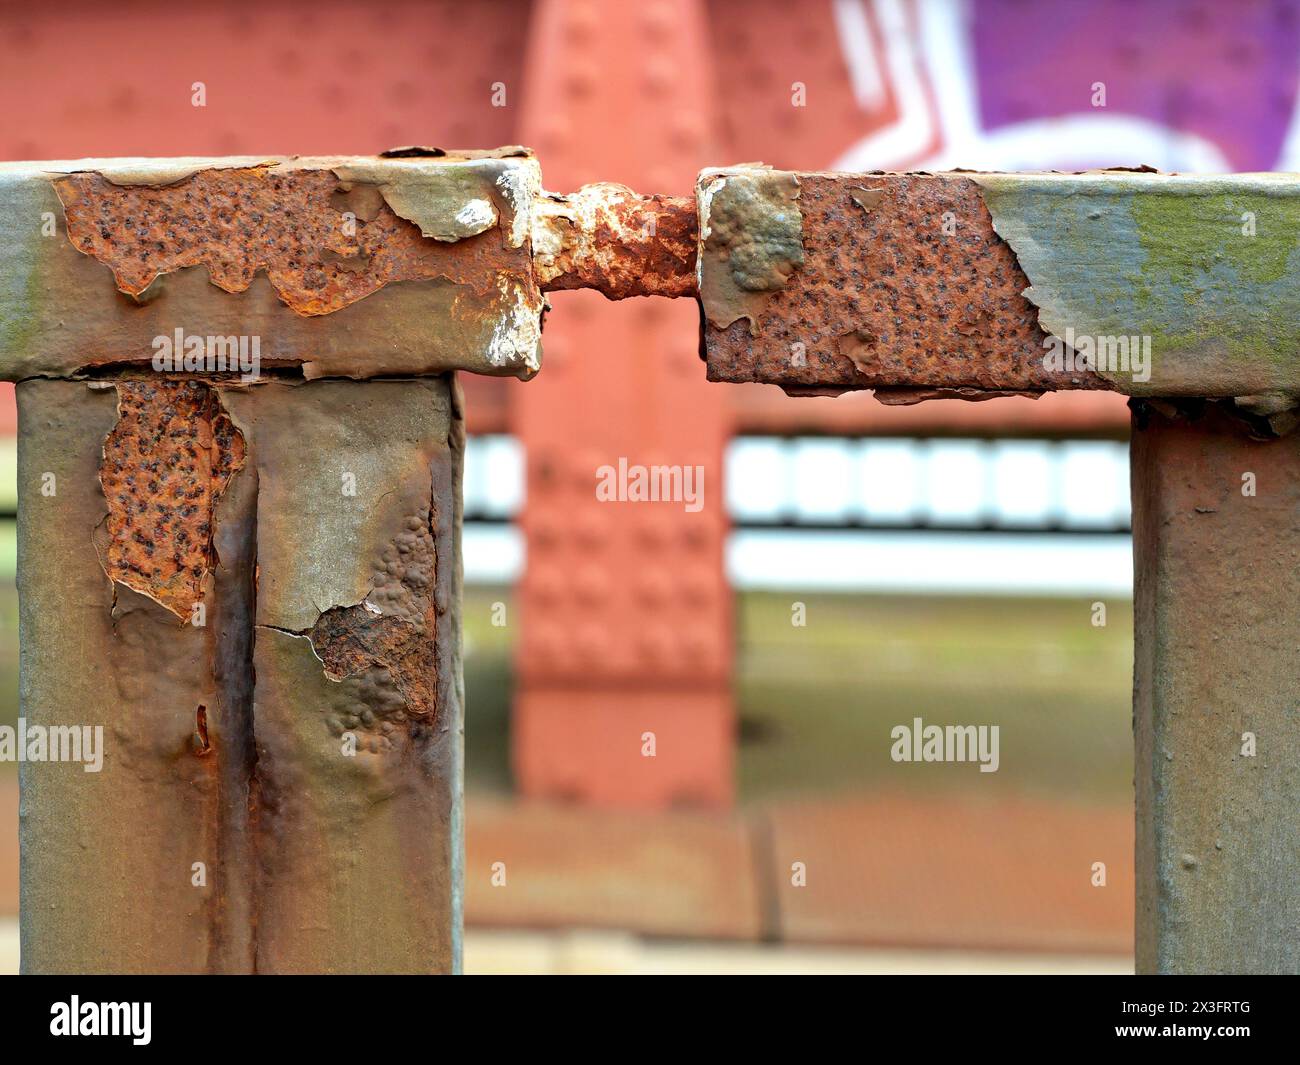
(1187, 235)
(1207, 268)
(1190, 241)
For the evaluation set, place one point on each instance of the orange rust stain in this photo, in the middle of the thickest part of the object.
(322, 248)
(622, 244)
(885, 297)
(166, 462)
(202, 742)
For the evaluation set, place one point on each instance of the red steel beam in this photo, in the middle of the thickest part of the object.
(623, 666)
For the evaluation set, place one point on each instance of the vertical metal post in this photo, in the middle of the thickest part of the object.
(239, 547)
(1216, 543)
(280, 788)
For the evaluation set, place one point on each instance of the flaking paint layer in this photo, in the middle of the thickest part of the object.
(323, 244)
(751, 240)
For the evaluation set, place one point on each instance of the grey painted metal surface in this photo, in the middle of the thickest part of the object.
(1216, 527)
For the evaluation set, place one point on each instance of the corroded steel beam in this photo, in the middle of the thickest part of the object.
(250, 574)
(968, 284)
(417, 261)
(411, 263)
(915, 285)
(246, 575)
(1216, 544)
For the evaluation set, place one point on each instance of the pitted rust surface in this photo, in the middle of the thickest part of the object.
(608, 238)
(166, 462)
(841, 281)
(340, 266)
(885, 297)
(387, 641)
(293, 224)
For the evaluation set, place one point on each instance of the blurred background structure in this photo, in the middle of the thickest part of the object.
(945, 560)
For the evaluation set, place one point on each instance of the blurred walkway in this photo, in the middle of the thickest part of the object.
(617, 953)
(910, 884)
(937, 872)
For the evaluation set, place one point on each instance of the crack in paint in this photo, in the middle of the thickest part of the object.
(386, 642)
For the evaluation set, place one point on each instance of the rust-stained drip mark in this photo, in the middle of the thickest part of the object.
(166, 462)
(606, 237)
(323, 243)
(202, 745)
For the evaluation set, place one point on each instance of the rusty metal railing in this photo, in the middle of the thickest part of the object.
(240, 454)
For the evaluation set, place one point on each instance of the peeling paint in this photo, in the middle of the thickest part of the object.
(867, 199)
(229, 222)
(293, 229)
(476, 216)
(906, 397)
(157, 173)
(857, 345)
(751, 227)
(518, 333)
(447, 203)
(809, 281)
(521, 186)
(1276, 409)
(226, 736)
(388, 638)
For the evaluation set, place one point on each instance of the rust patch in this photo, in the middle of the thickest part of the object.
(608, 238)
(388, 640)
(166, 462)
(904, 283)
(295, 225)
